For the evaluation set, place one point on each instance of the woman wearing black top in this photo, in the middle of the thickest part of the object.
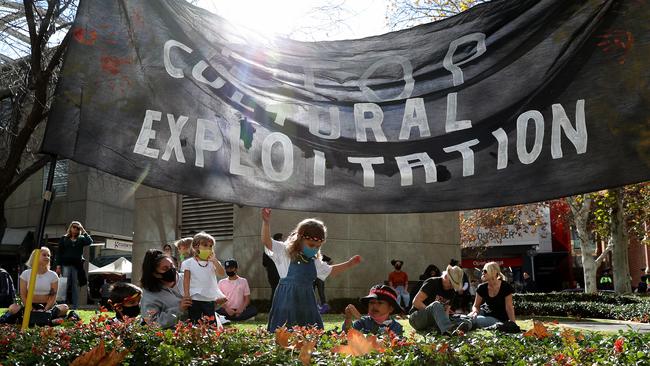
(493, 303)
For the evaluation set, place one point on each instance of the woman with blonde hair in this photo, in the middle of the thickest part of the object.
(70, 258)
(44, 298)
(493, 303)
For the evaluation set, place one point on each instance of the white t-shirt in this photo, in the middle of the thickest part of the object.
(204, 285)
(235, 290)
(43, 281)
(280, 256)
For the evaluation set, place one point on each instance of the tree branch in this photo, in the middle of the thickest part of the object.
(33, 36)
(608, 248)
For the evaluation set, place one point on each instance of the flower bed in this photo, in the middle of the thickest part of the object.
(135, 344)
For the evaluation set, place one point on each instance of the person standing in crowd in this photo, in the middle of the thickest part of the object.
(71, 261)
(606, 282)
(493, 303)
(184, 249)
(162, 296)
(238, 305)
(271, 271)
(44, 298)
(200, 278)
(644, 283)
(381, 302)
(168, 251)
(299, 262)
(319, 286)
(431, 308)
(528, 283)
(399, 280)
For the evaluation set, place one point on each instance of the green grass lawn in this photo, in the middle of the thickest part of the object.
(332, 321)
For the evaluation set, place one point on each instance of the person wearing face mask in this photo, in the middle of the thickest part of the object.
(381, 302)
(200, 279)
(162, 296)
(124, 299)
(299, 262)
(236, 289)
(399, 280)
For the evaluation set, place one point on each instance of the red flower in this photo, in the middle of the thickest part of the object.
(618, 345)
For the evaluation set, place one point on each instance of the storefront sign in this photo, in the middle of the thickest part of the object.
(503, 262)
(123, 245)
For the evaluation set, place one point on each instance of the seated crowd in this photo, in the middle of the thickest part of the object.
(194, 292)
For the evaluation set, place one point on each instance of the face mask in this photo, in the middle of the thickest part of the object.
(170, 275)
(230, 273)
(181, 257)
(130, 311)
(309, 252)
(398, 267)
(204, 254)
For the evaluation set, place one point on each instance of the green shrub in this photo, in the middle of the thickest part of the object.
(602, 305)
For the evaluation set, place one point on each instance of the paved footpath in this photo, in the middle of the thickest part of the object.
(596, 326)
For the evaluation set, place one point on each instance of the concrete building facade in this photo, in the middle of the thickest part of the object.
(112, 208)
(417, 239)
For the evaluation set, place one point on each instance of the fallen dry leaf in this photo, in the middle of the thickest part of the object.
(305, 352)
(92, 357)
(358, 344)
(114, 358)
(282, 337)
(538, 331)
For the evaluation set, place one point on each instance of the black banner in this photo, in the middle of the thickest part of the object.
(511, 102)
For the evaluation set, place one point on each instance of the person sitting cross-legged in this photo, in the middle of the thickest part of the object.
(431, 308)
(238, 293)
(382, 302)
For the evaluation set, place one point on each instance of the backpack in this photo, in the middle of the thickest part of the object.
(7, 291)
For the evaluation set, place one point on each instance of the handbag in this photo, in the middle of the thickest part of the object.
(40, 318)
(62, 289)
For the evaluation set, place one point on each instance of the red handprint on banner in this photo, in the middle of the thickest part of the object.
(617, 43)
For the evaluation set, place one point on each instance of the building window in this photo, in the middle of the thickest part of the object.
(60, 184)
(215, 218)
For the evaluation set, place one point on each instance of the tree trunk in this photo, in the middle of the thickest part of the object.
(589, 268)
(580, 211)
(620, 261)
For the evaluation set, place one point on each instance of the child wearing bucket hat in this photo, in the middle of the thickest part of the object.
(381, 302)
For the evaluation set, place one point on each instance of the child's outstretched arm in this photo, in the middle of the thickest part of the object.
(266, 228)
(342, 267)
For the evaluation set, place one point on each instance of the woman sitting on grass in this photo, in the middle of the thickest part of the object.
(47, 284)
(493, 304)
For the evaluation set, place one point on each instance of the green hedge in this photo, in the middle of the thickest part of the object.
(604, 306)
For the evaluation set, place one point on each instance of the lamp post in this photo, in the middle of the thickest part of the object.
(532, 252)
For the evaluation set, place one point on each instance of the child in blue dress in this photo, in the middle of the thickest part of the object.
(299, 262)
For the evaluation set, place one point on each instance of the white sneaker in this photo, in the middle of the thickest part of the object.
(222, 319)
